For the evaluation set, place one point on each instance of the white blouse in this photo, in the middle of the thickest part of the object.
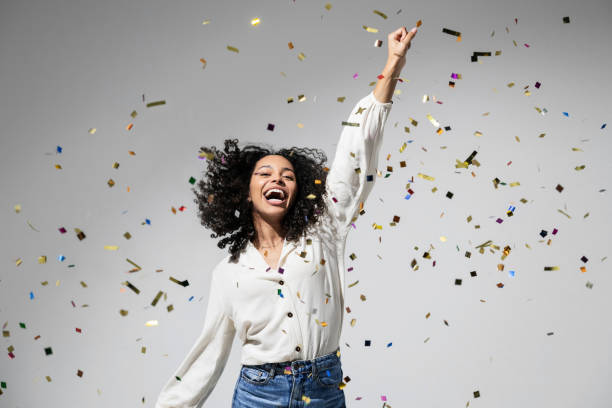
(295, 312)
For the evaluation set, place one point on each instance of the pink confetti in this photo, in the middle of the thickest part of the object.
(355, 76)
(526, 45)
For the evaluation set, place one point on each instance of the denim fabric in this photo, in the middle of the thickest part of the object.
(291, 384)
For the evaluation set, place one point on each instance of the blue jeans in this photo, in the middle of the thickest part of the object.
(292, 384)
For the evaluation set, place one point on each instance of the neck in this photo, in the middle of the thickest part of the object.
(268, 234)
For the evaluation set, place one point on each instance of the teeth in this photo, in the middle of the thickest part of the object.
(277, 190)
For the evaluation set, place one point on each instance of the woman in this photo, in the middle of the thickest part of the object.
(281, 288)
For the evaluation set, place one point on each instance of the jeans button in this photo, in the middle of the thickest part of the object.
(297, 348)
(290, 314)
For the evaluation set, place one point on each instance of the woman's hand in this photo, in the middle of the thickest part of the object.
(399, 44)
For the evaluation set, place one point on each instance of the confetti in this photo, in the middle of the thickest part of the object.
(452, 32)
(156, 103)
(383, 15)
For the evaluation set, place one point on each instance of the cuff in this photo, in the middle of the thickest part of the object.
(377, 102)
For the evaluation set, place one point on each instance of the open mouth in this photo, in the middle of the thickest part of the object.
(275, 196)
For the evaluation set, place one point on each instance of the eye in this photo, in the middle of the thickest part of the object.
(290, 178)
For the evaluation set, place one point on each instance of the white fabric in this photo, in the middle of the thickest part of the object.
(244, 297)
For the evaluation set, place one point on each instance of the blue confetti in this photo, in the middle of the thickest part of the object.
(389, 345)
(31, 295)
(328, 374)
(407, 196)
(603, 126)
(369, 177)
(566, 114)
(511, 274)
(61, 258)
(148, 221)
(191, 298)
(59, 149)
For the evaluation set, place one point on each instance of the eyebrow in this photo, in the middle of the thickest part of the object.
(283, 169)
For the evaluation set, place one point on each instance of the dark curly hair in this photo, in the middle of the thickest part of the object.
(222, 192)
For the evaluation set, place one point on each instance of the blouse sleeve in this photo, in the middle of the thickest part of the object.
(200, 370)
(353, 171)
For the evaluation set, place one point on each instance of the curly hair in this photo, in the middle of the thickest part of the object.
(223, 190)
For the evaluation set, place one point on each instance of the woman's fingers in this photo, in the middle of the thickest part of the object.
(399, 41)
(410, 34)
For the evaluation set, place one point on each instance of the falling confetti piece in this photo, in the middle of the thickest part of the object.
(234, 49)
(383, 15)
(156, 103)
(452, 32)
(255, 21)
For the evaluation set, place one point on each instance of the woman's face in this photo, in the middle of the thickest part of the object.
(273, 187)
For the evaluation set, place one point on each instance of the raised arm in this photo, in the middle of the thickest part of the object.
(353, 171)
(201, 368)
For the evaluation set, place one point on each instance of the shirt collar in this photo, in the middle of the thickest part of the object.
(252, 258)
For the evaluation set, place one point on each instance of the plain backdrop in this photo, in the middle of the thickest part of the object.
(514, 331)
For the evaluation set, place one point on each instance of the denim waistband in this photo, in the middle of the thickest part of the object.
(300, 366)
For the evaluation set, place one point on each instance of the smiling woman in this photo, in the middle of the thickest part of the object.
(282, 288)
(235, 210)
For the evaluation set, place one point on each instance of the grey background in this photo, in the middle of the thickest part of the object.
(68, 66)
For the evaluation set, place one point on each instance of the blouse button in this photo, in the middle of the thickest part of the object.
(290, 314)
(281, 282)
(297, 348)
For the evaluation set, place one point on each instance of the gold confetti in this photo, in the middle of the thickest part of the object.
(425, 176)
(370, 29)
(301, 56)
(255, 21)
(383, 15)
(477, 133)
(234, 49)
(156, 103)
(111, 247)
(92, 131)
(205, 22)
(151, 323)
(432, 120)
(564, 213)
